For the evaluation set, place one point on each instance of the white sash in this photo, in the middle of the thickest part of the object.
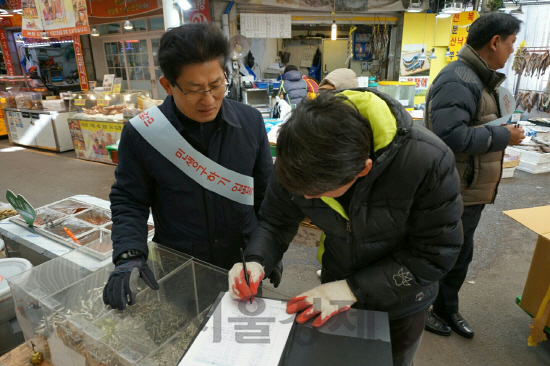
(159, 132)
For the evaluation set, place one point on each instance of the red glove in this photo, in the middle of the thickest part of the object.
(318, 301)
(238, 289)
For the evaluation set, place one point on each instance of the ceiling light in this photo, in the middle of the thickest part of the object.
(18, 11)
(414, 7)
(443, 15)
(45, 35)
(184, 4)
(19, 39)
(448, 53)
(128, 25)
(94, 32)
(333, 31)
(453, 7)
(422, 56)
(433, 55)
(3, 11)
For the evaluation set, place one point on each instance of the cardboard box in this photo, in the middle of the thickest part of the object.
(538, 279)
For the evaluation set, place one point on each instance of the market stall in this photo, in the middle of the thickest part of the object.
(96, 120)
(87, 218)
(10, 86)
(35, 123)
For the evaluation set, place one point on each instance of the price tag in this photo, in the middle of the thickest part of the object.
(103, 102)
(80, 102)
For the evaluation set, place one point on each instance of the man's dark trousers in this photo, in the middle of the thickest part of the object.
(446, 302)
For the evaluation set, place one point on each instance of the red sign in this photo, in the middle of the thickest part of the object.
(6, 52)
(113, 8)
(80, 63)
(200, 13)
(6, 22)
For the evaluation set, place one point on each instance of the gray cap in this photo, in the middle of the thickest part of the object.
(341, 79)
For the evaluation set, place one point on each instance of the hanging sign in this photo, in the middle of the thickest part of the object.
(6, 22)
(80, 63)
(460, 27)
(200, 13)
(114, 8)
(6, 52)
(56, 17)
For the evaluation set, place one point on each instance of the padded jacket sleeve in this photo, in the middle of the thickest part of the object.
(453, 106)
(279, 222)
(130, 196)
(431, 246)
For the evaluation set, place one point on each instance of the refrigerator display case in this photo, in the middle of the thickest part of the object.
(32, 122)
(108, 107)
(23, 83)
(60, 307)
(96, 120)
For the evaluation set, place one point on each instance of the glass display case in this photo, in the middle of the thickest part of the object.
(108, 107)
(22, 83)
(60, 307)
(96, 119)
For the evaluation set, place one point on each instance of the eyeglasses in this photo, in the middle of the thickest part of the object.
(216, 91)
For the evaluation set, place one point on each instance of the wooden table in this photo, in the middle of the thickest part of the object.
(19, 356)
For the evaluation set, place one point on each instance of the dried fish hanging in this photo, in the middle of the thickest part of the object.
(532, 62)
(529, 100)
(379, 44)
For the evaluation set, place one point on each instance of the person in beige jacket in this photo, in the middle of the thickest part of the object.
(462, 99)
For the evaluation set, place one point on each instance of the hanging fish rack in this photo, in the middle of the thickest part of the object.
(533, 99)
(531, 62)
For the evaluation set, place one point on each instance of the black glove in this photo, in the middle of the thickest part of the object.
(276, 275)
(117, 291)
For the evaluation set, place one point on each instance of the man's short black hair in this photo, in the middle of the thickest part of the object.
(192, 43)
(290, 68)
(493, 24)
(323, 146)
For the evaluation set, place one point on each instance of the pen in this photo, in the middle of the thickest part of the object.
(246, 274)
(71, 235)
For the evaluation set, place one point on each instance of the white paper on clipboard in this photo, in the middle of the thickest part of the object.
(222, 343)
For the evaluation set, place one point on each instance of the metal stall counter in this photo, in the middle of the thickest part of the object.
(87, 218)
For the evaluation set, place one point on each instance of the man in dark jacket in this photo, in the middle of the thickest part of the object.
(293, 87)
(462, 98)
(386, 194)
(188, 217)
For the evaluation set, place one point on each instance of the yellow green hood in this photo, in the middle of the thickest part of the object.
(384, 128)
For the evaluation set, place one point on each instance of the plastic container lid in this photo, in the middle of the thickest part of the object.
(400, 83)
(11, 267)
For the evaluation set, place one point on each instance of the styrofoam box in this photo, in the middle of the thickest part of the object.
(534, 168)
(531, 156)
(508, 172)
